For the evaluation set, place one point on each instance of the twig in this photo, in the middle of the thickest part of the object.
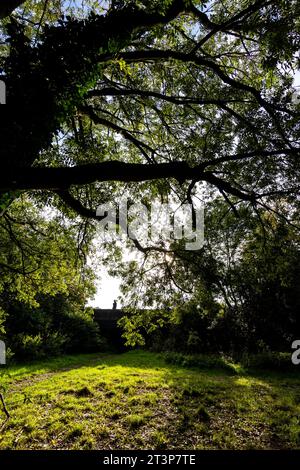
(4, 406)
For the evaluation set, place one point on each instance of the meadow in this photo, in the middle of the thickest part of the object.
(136, 400)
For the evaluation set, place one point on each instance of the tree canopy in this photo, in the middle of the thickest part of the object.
(152, 90)
(172, 99)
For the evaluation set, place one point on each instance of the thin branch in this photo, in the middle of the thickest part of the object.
(83, 211)
(234, 23)
(127, 135)
(4, 406)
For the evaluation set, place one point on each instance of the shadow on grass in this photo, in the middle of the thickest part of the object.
(136, 400)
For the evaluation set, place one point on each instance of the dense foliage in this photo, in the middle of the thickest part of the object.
(240, 293)
(44, 286)
(58, 326)
(173, 101)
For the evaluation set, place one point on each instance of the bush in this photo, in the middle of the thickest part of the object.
(29, 347)
(58, 326)
(55, 343)
(277, 361)
(199, 361)
(84, 334)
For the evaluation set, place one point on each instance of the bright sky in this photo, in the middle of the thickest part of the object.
(108, 289)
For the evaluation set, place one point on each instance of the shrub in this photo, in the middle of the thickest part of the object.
(59, 325)
(200, 361)
(28, 347)
(277, 361)
(84, 334)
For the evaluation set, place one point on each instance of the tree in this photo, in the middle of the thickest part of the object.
(40, 259)
(197, 94)
(173, 100)
(239, 293)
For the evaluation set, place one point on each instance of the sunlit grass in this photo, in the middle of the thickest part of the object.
(135, 400)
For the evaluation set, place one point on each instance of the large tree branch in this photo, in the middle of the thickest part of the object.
(63, 177)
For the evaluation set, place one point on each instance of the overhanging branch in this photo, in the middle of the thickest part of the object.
(88, 213)
(62, 178)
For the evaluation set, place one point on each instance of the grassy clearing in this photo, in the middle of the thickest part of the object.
(138, 401)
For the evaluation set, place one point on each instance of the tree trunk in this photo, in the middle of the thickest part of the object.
(8, 6)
